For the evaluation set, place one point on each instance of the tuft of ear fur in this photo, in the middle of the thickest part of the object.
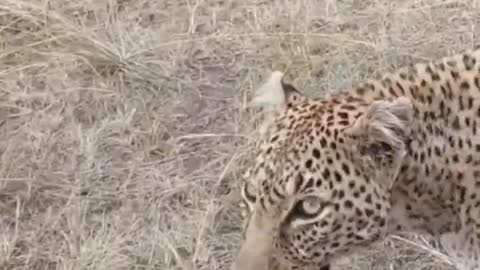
(381, 135)
(275, 94)
(388, 122)
(273, 97)
(270, 95)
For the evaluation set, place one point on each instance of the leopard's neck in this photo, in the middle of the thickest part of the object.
(430, 186)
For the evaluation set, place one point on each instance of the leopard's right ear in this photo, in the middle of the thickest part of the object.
(276, 95)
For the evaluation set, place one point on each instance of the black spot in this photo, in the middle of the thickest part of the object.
(316, 153)
(338, 177)
(429, 99)
(358, 212)
(422, 157)
(467, 121)
(451, 141)
(461, 104)
(442, 107)
(333, 145)
(460, 143)
(326, 174)
(464, 85)
(348, 204)
(455, 75)
(334, 245)
(308, 164)
(348, 107)
(360, 91)
(468, 61)
(345, 169)
(343, 115)
(381, 221)
(359, 238)
(343, 122)
(413, 91)
(368, 198)
(429, 70)
(323, 142)
(441, 66)
(456, 123)
(392, 92)
(477, 82)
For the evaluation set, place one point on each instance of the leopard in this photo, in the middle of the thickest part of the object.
(398, 153)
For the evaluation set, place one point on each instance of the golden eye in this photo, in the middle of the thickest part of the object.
(308, 208)
(311, 205)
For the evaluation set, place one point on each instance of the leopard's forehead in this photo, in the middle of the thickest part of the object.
(302, 143)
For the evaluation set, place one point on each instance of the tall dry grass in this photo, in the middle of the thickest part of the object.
(122, 123)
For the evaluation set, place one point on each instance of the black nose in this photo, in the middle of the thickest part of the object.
(325, 267)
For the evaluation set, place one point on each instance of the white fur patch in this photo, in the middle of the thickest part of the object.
(270, 95)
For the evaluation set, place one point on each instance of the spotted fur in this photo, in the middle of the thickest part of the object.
(400, 153)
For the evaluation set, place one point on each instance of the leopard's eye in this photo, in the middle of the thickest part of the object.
(311, 205)
(308, 207)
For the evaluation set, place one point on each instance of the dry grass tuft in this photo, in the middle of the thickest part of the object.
(122, 123)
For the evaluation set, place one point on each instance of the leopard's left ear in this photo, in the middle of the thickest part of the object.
(381, 135)
(275, 94)
(386, 123)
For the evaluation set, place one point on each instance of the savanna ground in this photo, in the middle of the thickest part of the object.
(123, 128)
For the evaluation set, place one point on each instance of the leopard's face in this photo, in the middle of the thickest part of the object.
(319, 186)
(327, 205)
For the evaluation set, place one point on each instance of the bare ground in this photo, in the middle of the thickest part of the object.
(123, 128)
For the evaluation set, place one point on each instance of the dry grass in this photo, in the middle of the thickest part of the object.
(122, 122)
